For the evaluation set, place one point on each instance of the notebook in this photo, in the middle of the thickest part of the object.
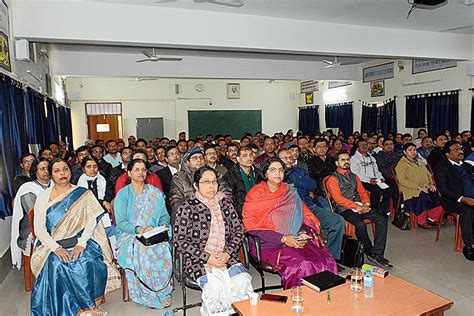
(323, 281)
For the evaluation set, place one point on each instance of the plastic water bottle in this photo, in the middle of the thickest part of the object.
(169, 313)
(368, 285)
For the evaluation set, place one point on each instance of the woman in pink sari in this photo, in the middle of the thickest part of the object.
(288, 230)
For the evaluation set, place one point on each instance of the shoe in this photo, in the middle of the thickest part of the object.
(425, 226)
(468, 253)
(340, 268)
(379, 261)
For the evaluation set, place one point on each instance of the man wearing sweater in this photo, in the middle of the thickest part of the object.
(365, 167)
(353, 203)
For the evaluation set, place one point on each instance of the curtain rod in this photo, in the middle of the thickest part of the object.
(424, 93)
(389, 99)
(309, 106)
(339, 103)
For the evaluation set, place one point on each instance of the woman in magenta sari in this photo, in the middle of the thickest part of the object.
(288, 230)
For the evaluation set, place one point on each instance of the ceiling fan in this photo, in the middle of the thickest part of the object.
(332, 64)
(143, 79)
(229, 3)
(153, 57)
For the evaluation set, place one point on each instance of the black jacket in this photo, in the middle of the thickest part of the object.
(105, 168)
(436, 158)
(320, 170)
(450, 184)
(165, 177)
(233, 178)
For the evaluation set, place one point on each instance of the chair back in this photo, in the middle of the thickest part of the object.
(326, 191)
(31, 218)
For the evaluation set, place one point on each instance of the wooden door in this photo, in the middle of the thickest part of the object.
(106, 126)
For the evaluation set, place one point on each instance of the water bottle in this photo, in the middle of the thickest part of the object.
(368, 285)
(169, 313)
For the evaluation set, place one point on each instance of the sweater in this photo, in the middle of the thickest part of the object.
(411, 176)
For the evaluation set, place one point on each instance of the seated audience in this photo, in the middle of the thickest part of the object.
(379, 147)
(131, 141)
(69, 281)
(46, 153)
(94, 181)
(305, 154)
(365, 167)
(323, 165)
(231, 156)
(419, 192)
(173, 161)
(125, 156)
(353, 203)
(437, 155)
(76, 170)
(113, 156)
(455, 181)
(241, 178)
(349, 144)
(208, 231)
(269, 151)
(151, 178)
(466, 143)
(305, 185)
(387, 159)
(139, 208)
(422, 133)
(25, 163)
(288, 230)
(336, 147)
(98, 153)
(140, 144)
(426, 147)
(25, 198)
(161, 156)
(182, 147)
(211, 159)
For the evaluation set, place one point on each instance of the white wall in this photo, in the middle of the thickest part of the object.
(451, 79)
(156, 98)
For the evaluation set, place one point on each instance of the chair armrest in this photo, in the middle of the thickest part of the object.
(256, 241)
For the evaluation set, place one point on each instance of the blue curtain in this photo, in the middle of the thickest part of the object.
(415, 107)
(387, 117)
(36, 118)
(64, 115)
(51, 123)
(309, 120)
(472, 112)
(443, 112)
(11, 102)
(369, 118)
(340, 116)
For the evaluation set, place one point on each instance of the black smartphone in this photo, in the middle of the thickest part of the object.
(274, 298)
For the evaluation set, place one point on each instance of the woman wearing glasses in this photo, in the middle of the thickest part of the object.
(139, 208)
(208, 231)
(288, 230)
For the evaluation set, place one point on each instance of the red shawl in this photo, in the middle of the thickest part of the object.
(260, 203)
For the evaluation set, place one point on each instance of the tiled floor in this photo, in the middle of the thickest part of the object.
(416, 256)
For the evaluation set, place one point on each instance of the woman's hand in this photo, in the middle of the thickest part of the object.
(77, 251)
(107, 206)
(145, 229)
(214, 261)
(423, 189)
(62, 254)
(223, 257)
(292, 242)
(432, 188)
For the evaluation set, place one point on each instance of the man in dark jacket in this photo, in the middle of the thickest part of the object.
(76, 170)
(173, 160)
(437, 155)
(105, 168)
(455, 182)
(387, 159)
(322, 166)
(241, 177)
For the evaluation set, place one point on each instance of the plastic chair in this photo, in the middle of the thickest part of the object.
(27, 273)
(349, 228)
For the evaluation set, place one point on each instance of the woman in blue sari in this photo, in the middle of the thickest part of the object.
(72, 260)
(139, 208)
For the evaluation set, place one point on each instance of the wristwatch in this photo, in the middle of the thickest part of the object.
(137, 229)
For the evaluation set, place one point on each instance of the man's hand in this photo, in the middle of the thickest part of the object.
(467, 200)
(373, 181)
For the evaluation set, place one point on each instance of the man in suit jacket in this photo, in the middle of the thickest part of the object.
(173, 159)
(455, 181)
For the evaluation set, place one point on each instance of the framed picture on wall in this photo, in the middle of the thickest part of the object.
(233, 91)
(377, 89)
(5, 52)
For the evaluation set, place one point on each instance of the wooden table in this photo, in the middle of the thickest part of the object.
(392, 296)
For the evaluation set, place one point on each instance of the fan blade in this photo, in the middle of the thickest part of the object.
(331, 66)
(229, 3)
(142, 60)
(169, 59)
(327, 62)
(147, 54)
(165, 1)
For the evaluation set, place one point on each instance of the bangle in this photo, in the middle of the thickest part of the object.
(137, 229)
(283, 239)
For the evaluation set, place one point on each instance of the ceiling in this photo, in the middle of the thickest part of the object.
(454, 17)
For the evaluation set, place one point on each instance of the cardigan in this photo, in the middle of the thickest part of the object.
(191, 232)
(411, 176)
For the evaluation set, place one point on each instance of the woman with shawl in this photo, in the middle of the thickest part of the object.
(288, 230)
(72, 259)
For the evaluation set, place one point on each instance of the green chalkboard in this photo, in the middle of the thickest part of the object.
(233, 122)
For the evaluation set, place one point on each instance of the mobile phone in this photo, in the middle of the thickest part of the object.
(273, 298)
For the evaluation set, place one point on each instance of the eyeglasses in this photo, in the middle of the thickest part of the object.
(274, 170)
(139, 170)
(208, 182)
(28, 162)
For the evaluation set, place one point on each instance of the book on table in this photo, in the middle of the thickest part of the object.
(322, 281)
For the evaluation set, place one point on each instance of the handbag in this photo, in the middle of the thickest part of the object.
(402, 219)
(68, 243)
(352, 252)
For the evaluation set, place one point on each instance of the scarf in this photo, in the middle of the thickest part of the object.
(249, 179)
(216, 241)
(281, 211)
(84, 181)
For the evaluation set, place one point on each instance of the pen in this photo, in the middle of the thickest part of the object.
(329, 297)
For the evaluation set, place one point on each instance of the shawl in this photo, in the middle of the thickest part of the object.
(216, 241)
(35, 188)
(281, 211)
(101, 184)
(249, 179)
